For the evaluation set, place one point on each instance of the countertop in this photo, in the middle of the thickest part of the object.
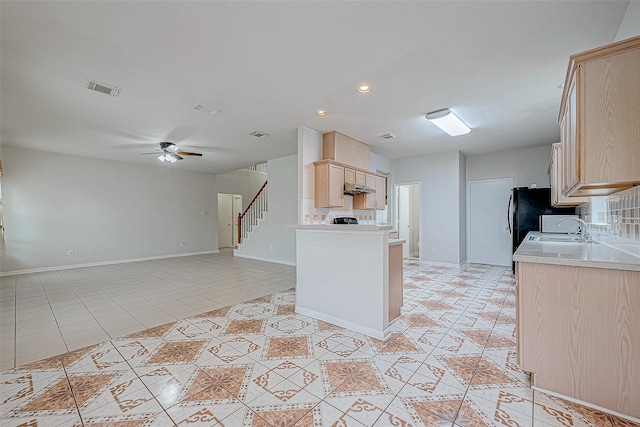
(595, 255)
(342, 227)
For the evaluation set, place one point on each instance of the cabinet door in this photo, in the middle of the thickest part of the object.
(381, 192)
(570, 146)
(336, 185)
(556, 181)
(370, 199)
(361, 178)
(329, 185)
(349, 176)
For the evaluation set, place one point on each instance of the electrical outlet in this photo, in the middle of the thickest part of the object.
(433, 248)
(203, 212)
(183, 244)
(70, 252)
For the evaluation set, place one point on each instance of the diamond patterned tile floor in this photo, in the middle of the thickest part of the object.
(449, 361)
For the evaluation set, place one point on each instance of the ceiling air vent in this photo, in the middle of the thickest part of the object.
(259, 134)
(387, 136)
(206, 108)
(103, 88)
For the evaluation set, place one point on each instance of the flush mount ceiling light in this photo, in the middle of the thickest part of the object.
(321, 113)
(364, 88)
(448, 122)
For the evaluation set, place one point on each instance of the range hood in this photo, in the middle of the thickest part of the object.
(357, 189)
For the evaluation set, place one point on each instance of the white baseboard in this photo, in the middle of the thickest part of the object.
(381, 335)
(443, 264)
(276, 261)
(95, 264)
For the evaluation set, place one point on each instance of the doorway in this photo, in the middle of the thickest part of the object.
(487, 222)
(408, 218)
(229, 207)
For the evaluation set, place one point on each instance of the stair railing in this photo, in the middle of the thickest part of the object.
(249, 218)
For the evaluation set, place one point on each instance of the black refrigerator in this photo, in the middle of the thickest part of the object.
(525, 206)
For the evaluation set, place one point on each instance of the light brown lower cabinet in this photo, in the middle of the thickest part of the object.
(395, 281)
(578, 332)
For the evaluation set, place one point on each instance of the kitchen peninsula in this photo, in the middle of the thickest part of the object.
(349, 275)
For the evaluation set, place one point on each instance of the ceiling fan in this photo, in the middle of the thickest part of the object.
(171, 152)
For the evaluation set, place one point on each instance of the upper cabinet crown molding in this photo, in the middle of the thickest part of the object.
(600, 120)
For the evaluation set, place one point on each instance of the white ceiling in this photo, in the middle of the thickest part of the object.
(271, 65)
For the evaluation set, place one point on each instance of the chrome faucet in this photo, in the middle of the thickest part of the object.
(584, 234)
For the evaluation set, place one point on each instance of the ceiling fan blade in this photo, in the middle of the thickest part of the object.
(187, 153)
(176, 156)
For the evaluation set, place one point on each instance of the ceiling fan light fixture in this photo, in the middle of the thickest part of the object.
(447, 121)
(167, 157)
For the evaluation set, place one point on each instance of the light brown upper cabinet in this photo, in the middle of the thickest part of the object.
(328, 184)
(556, 180)
(600, 120)
(372, 200)
(353, 176)
(344, 149)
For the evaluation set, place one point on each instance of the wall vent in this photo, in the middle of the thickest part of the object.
(387, 136)
(259, 134)
(103, 88)
(206, 108)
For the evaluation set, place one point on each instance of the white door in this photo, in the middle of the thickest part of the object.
(225, 221)
(489, 237)
(404, 218)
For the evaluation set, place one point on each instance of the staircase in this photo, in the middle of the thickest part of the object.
(253, 214)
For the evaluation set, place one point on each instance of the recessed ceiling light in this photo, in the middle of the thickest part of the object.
(448, 122)
(364, 88)
(321, 113)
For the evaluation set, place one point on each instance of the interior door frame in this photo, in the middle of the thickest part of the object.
(396, 209)
(468, 209)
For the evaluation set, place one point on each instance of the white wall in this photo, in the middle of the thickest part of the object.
(630, 26)
(274, 241)
(526, 166)
(462, 188)
(440, 223)
(103, 210)
(243, 182)
(309, 151)
(379, 163)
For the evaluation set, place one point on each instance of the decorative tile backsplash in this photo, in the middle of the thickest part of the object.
(313, 215)
(615, 219)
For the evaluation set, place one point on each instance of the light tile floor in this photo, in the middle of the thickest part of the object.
(450, 361)
(44, 314)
